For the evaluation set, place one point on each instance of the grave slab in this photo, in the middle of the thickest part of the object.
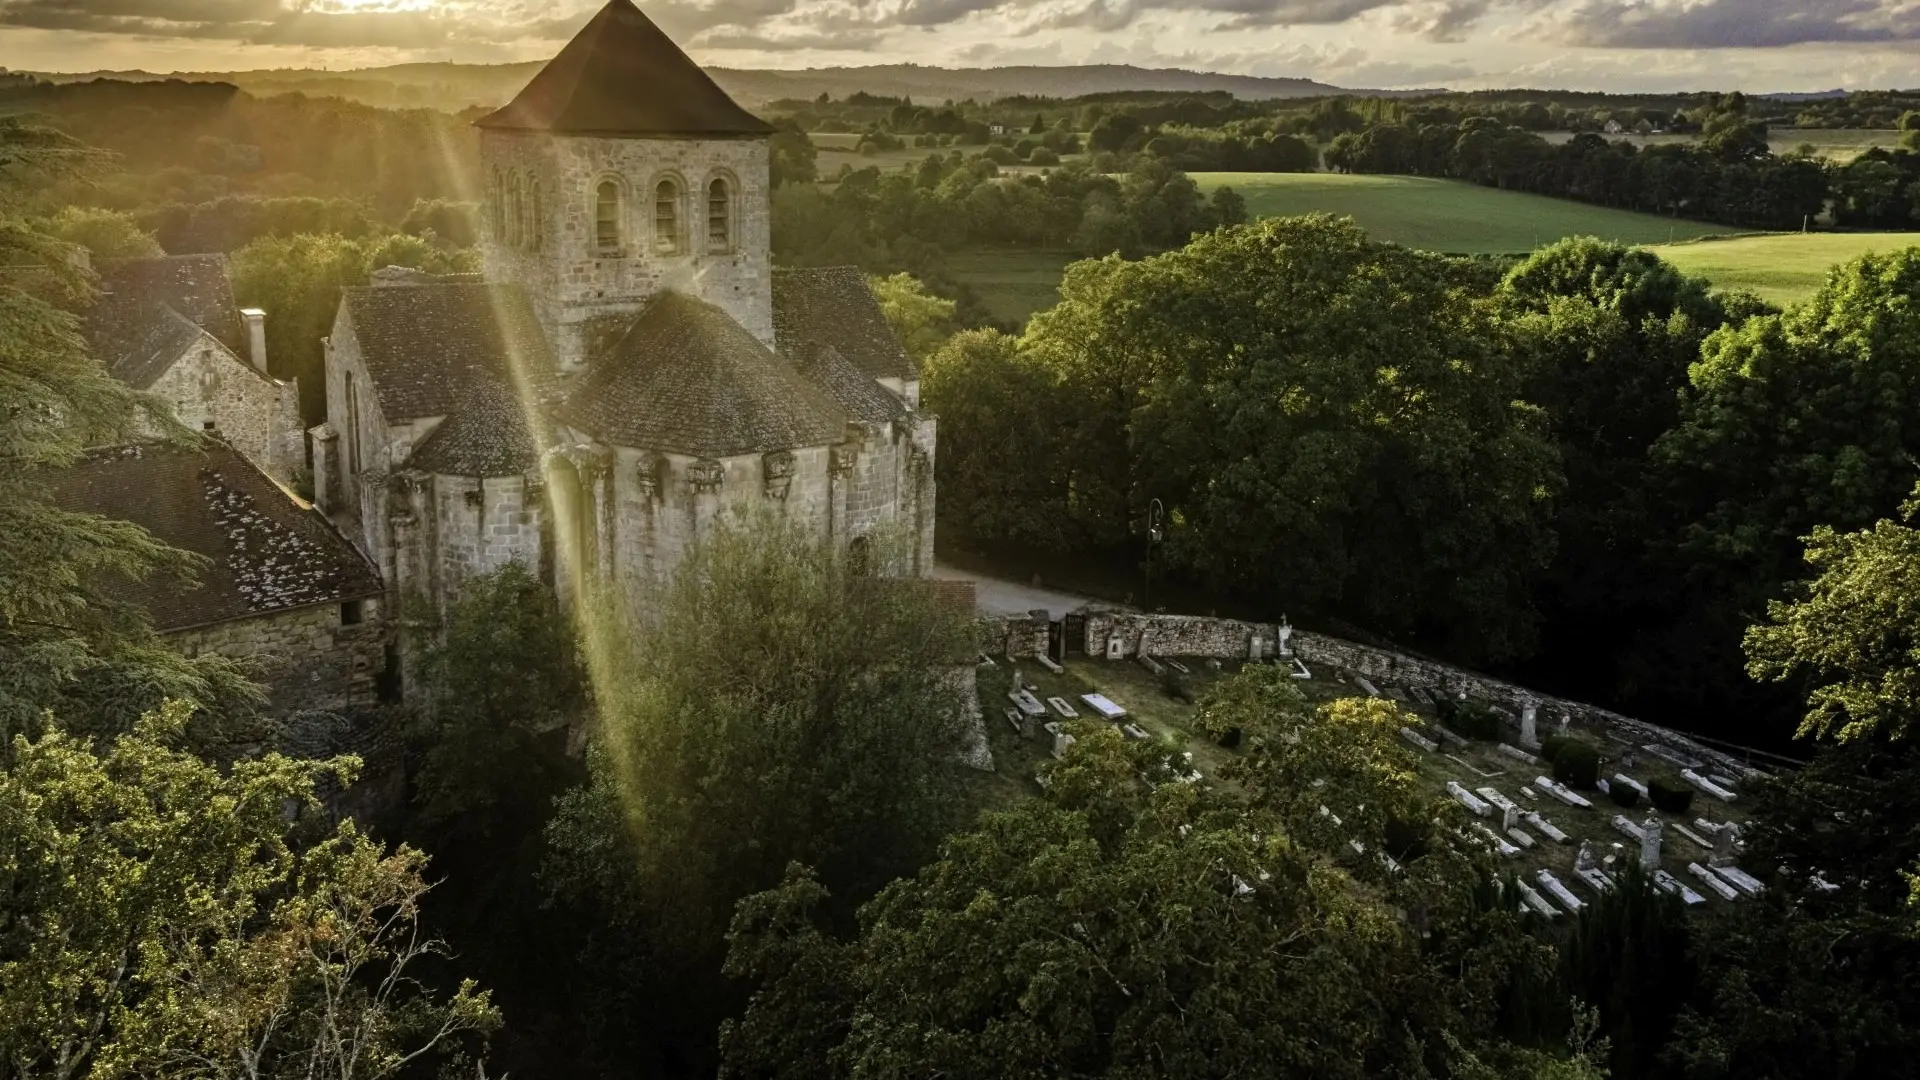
(1668, 883)
(1362, 682)
(1623, 778)
(1547, 828)
(1562, 792)
(1475, 769)
(1622, 825)
(1027, 703)
(1474, 804)
(1712, 880)
(1419, 740)
(1047, 662)
(1517, 754)
(1060, 706)
(1596, 879)
(1535, 901)
(1151, 664)
(1559, 892)
(1707, 785)
(1740, 879)
(1671, 756)
(1103, 705)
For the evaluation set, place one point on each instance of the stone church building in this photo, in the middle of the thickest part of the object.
(629, 366)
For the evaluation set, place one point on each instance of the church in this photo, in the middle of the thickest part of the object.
(630, 365)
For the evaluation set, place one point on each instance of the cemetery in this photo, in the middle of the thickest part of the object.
(1564, 796)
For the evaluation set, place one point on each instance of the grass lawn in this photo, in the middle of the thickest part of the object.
(1783, 268)
(1013, 283)
(1448, 215)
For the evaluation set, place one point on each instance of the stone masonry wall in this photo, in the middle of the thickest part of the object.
(571, 281)
(480, 526)
(1226, 639)
(211, 389)
(307, 657)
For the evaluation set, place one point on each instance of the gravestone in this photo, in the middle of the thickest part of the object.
(1060, 706)
(1281, 635)
(1116, 646)
(1723, 842)
(1256, 648)
(1528, 737)
(1419, 740)
(1583, 858)
(1650, 843)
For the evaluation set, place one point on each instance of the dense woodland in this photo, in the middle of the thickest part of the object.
(1581, 466)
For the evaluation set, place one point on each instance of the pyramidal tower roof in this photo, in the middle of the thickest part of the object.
(623, 76)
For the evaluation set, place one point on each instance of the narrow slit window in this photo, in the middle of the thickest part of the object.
(516, 225)
(719, 217)
(606, 216)
(534, 225)
(666, 217)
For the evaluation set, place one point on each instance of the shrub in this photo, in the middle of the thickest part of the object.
(1468, 719)
(1173, 687)
(1043, 156)
(1551, 746)
(1622, 795)
(1577, 765)
(1672, 798)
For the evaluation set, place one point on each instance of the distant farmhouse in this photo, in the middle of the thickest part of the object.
(629, 365)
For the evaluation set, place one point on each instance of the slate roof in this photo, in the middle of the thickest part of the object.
(687, 379)
(487, 434)
(150, 310)
(853, 390)
(832, 306)
(267, 552)
(427, 346)
(622, 76)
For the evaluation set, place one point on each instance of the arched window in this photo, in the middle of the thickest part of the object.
(666, 217)
(606, 216)
(535, 226)
(719, 217)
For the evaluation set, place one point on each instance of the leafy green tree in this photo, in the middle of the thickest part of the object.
(297, 280)
(780, 703)
(1328, 421)
(105, 234)
(1610, 332)
(68, 645)
(999, 464)
(1240, 950)
(1790, 421)
(923, 321)
(503, 682)
(165, 919)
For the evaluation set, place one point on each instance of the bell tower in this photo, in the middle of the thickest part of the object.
(622, 170)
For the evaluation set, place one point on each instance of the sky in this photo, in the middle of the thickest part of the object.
(1616, 45)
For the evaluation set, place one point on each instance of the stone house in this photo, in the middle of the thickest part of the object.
(630, 365)
(170, 326)
(281, 586)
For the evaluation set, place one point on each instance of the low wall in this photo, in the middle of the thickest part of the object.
(1232, 639)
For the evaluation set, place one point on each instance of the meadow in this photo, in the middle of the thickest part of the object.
(1448, 215)
(1783, 268)
(1012, 283)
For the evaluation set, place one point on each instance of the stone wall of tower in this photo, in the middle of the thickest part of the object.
(552, 249)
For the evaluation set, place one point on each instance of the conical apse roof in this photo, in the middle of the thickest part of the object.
(623, 76)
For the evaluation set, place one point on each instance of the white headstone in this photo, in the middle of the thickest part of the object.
(1723, 841)
(1650, 843)
(1256, 649)
(1583, 859)
(1529, 738)
(1281, 635)
(1116, 647)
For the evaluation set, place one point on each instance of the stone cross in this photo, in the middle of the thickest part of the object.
(1281, 635)
(1529, 737)
(1650, 843)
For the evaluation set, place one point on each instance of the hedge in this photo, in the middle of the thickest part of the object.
(1577, 765)
(1672, 798)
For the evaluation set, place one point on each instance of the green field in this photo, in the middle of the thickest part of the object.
(1448, 215)
(1782, 268)
(1013, 283)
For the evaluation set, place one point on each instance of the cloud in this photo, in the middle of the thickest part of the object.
(1723, 24)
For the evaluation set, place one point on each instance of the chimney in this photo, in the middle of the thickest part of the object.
(256, 337)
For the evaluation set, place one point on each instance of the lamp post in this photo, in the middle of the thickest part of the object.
(1156, 513)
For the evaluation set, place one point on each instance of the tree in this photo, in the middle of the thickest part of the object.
(297, 280)
(105, 234)
(68, 645)
(1789, 422)
(500, 683)
(1000, 452)
(778, 703)
(1852, 634)
(1244, 381)
(165, 919)
(1241, 950)
(923, 321)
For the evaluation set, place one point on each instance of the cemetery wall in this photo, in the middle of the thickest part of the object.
(309, 657)
(1230, 639)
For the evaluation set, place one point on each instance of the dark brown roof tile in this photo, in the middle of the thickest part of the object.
(832, 305)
